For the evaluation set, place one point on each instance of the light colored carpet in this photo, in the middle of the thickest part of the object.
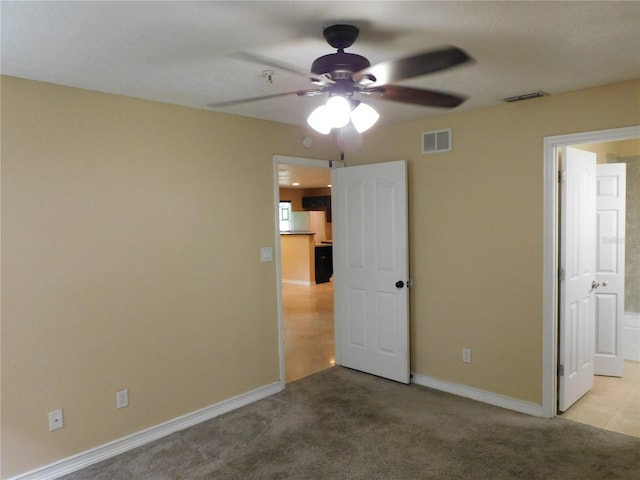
(342, 424)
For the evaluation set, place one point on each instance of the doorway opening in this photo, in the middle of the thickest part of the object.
(551, 283)
(610, 398)
(304, 265)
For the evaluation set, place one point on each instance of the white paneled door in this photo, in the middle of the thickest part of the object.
(610, 227)
(577, 275)
(370, 246)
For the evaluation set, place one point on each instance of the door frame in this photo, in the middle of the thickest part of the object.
(305, 162)
(551, 229)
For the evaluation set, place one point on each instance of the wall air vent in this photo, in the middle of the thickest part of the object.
(436, 141)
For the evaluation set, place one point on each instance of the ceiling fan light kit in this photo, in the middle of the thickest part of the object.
(364, 117)
(343, 75)
(337, 113)
(338, 110)
(319, 120)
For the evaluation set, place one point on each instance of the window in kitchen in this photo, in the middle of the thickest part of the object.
(285, 216)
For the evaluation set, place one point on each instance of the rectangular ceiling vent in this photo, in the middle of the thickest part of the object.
(525, 96)
(436, 141)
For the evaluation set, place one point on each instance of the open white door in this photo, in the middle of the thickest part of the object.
(370, 246)
(577, 275)
(611, 208)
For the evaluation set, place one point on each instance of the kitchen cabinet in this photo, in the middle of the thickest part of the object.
(322, 202)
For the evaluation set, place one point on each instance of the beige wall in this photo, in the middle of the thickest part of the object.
(125, 265)
(476, 232)
(294, 195)
(316, 192)
(628, 148)
(609, 152)
(128, 260)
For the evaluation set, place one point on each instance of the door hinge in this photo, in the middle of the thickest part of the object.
(560, 370)
(562, 176)
(560, 274)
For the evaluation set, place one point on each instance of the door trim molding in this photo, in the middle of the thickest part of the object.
(286, 160)
(550, 251)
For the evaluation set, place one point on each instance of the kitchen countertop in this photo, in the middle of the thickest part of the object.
(297, 233)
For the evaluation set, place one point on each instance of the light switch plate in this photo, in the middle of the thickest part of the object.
(466, 355)
(266, 254)
(122, 398)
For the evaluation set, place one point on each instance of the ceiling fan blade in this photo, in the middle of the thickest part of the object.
(413, 66)
(300, 93)
(416, 96)
(251, 57)
(229, 103)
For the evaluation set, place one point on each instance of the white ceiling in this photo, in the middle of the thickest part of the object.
(304, 177)
(182, 52)
(186, 53)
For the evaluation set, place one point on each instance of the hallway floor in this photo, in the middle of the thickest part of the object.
(308, 329)
(612, 404)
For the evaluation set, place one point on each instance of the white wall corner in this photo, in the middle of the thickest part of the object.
(111, 449)
(631, 337)
(479, 395)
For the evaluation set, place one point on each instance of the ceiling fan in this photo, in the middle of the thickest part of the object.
(342, 75)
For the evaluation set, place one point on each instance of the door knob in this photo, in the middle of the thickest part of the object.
(605, 283)
(594, 285)
(399, 284)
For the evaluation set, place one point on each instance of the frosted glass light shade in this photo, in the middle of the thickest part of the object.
(339, 111)
(320, 120)
(364, 117)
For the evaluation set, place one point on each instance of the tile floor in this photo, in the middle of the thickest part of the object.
(308, 329)
(612, 404)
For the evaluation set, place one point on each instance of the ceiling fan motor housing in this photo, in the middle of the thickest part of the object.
(345, 74)
(336, 63)
(341, 36)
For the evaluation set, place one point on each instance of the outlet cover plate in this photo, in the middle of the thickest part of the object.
(56, 420)
(122, 398)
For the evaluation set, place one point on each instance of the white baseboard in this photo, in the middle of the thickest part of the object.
(298, 282)
(111, 449)
(631, 337)
(479, 395)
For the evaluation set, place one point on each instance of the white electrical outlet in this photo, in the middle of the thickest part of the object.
(56, 420)
(466, 355)
(122, 398)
